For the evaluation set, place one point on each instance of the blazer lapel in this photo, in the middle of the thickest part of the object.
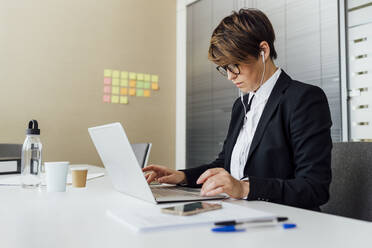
(271, 105)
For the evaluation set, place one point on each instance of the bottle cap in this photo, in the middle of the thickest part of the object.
(33, 128)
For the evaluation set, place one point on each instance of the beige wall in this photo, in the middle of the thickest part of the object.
(52, 57)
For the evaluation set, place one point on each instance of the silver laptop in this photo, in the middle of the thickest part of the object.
(142, 152)
(126, 174)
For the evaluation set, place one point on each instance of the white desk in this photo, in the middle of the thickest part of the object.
(78, 218)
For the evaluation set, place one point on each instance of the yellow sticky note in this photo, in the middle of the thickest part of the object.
(115, 74)
(115, 90)
(114, 99)
(155, 78)
(155, 86)
(115, 81)
(124, 75)
(123, 91)
(132, 92)
(107, 73)
(132, 75)
(140, 76)
(147, 77)
(132, 83)
(124, 83)
(124, 100)
(146, 93)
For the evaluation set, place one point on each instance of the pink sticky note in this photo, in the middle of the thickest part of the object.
(107, 80)
(106, 98)
(107, 89)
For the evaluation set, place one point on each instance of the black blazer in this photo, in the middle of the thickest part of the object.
(289, 160)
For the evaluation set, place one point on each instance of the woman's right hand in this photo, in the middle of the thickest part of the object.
(163, 174)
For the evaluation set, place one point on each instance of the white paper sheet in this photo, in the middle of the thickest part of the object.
(145, 217)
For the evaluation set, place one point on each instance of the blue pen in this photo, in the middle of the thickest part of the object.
(289, 225)
(227, 229)
(234, 229)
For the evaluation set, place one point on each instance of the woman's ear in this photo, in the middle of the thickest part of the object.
(264, 47)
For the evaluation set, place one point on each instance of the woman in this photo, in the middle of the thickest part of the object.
(278, 145)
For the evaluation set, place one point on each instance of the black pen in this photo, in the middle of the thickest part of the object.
(233, 222)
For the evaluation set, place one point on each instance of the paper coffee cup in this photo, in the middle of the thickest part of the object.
(79, 176)
(56, 176)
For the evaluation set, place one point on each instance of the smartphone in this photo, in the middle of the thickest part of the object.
(191, 208)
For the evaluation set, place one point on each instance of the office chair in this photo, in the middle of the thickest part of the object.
(142, 152)
(351, 186)
(10, 150)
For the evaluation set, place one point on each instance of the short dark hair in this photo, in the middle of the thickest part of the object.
(238, 37)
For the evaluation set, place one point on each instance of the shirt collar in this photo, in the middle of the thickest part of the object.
(264, 91)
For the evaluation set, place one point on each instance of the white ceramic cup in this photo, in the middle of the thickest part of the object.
(56, 176)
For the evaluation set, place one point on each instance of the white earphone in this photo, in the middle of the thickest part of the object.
(264, 67)
(243, 156)
(262, 77)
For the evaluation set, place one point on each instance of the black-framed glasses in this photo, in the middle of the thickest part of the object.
(233, 68)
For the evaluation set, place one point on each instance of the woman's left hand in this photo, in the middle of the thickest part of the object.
(217, 180)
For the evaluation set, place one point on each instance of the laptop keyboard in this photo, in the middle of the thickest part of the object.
(174, 191)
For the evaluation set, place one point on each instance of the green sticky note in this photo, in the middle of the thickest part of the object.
(124, 100)
(140, 76)
(139, 92)
(139, 84)
(147, 85)
(147, 77)
(132, 75)
(124, 75)
(124, 83)
(115, 74)
(107, 73)
(115, 81)
(114, 99)
(155, 78)
(115, 90)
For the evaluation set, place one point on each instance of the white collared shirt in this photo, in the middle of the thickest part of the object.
(240, 152)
